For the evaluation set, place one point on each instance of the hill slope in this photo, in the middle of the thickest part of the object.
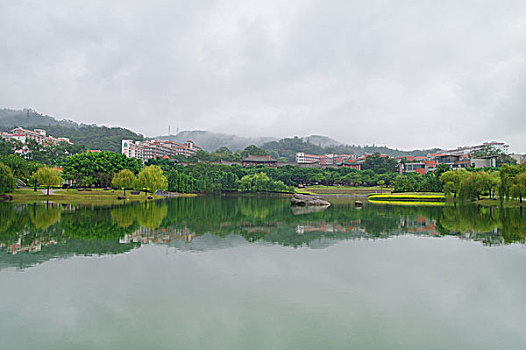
(288, 147)
(210, 141)
(322, 141)
(92, 136)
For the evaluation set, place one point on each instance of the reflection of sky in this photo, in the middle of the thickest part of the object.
(407, 292)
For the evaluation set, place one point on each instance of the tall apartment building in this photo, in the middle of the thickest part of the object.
(149, 149)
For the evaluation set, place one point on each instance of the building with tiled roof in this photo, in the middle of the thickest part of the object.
(259, 160)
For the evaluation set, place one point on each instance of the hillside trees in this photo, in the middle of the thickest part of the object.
(8, 147)
(18, 166)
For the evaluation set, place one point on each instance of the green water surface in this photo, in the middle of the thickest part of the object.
(247, 272)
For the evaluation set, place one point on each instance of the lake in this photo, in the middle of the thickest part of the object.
(247, 272)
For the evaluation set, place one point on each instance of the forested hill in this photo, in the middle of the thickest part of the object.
(210, 141)
(91, 136)
(288, 147)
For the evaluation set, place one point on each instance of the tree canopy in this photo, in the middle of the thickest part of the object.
(7, 180)
(151, 179)
(47, 177)
(98, 168)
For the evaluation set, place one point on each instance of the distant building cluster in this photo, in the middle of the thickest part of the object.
(149, 149)
(326, 159)
(458, 158)
(500, 147)
(38, 135)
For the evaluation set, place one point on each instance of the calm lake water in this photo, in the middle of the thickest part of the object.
(249, 273)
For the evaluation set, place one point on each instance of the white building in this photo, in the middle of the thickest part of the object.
(38, 135)
(501, 147)
(149, 149)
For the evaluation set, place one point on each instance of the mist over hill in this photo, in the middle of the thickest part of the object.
(286, 148)
(109, 138)
(323, 141)
(210, 141)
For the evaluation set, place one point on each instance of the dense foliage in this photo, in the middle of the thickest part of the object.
(151, 179)
(93, 136)
(206, 177)
(414, 182)
(41, 153)
(513, 181)
(47, 177)
(124, 180)
(97, 169)
(470, 185)
(7, 180)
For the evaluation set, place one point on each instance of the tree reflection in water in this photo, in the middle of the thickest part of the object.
(46, 231)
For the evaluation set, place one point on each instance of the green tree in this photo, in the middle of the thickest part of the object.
(151, 179)
(451, 180)
(7, 180)
(124, 180)
(8, 147)
(18, 166)
(48, 177)
(519, 189)
(98, 168)
(380, 164)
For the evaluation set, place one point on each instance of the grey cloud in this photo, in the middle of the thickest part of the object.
(407, 74)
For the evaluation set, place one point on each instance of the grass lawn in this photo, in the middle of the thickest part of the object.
(349, 190)
(409, 197)
(72, 196)
(508, 203)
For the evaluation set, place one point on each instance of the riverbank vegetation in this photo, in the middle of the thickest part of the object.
(107, 169)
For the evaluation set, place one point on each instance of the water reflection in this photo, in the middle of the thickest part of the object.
(33, 233)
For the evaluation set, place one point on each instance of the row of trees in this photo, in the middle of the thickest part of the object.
(215, 177)
(150, 179)
(43, 176)
(509, 182)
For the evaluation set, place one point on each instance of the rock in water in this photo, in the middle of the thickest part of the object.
(303, 200)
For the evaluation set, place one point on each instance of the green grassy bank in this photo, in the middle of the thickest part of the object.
(72, 196)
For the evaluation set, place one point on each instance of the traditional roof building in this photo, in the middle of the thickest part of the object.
(259, 160)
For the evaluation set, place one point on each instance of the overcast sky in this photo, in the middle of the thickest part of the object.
(408, 74)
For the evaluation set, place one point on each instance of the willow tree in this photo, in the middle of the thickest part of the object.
(7, 180)
(47, 177)
(124, 180)
(452, 180)
(151, 179)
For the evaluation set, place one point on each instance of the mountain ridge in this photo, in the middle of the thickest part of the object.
(109, 138)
